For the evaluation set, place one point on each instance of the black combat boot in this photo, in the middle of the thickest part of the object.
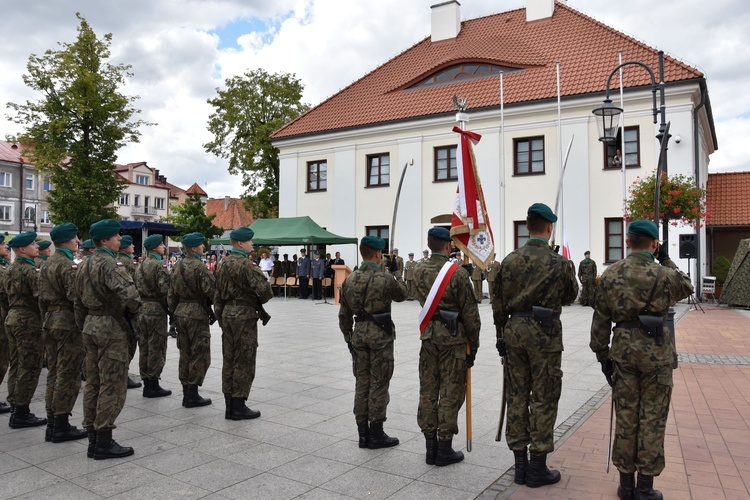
(363, 429)
(194, 399)
(50, 426)
(431, 445)
(22, 417)
(522, 464)
(4, 408)
(155, 390)
(645, 489)
(91, 433)
(377, 438)
(63, 431)
(240, 411)
(228, 403)
(146, 387)
(538, 474)
(626, 490)
(106, 447)
(132, 384)
(184, 394)
(12, 412)
(446, 455)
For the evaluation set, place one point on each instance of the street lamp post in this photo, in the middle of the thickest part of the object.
(30, 222)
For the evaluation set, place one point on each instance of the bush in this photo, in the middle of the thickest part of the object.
(721, 269)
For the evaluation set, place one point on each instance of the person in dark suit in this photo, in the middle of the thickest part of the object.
(318, 268)
(303, 274)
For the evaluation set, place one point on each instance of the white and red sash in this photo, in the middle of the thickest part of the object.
(436, 294)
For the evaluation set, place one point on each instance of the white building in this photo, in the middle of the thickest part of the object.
(23, 194)
(146, 197)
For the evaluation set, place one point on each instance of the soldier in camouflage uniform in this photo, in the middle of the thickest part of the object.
(24, 328)
(125, 257)
(639, 366)
(476, 280)
(587, 275)
(63, 342)
(190, 297)
(4, 354)
(409, 276)
(45, 252)
(442, 359)
(532, 276)
(87, 248)
(492, 269)
(365, 294)
(152, 281)
(106, 301)
(241, 290)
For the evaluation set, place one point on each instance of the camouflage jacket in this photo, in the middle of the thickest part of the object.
(101, 278)
(492, 271)
(57, 291)
(152, 281)
(534, 275)
(587, 270)
(476, 273)
(39, 261)
(4, 268)
(366, 291)
(238, 279)
(22, 285)
(191, 289)
(458, 296)
(622, 294)
(127, 263)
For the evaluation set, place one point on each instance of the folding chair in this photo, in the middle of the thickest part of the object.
(708, 289)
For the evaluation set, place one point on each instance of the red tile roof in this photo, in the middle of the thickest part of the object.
(229, 217)
(586, 49)
(11, 152)
(727, 198)
(195, 188)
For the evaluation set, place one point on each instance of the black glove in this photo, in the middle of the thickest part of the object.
(500, 345)
(661, 253)
(608, 369)
(351, 348)
(470, 358)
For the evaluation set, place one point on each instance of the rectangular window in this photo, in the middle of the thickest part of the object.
(46, 186)
(520, 233)
(29, 181)
(146, 203)
(159, 203)
(613, 240)
(137, 200)
(141, 179)
(380, 232)
(44, 219)
(445, 164)
(124, 199)
(317, 175)
(528, 156)
(613, 155)
(6, 179)
(5, 213)
(378, 170)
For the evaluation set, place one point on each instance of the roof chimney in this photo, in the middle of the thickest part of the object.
(226, 202)
(446, 20)
(539, 9)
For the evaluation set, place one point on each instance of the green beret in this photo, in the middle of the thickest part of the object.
(126, 241)
(193, 239)
(153, 241)
(88, 244)
(242, 234)
(63, 232)
(104, 229)
(439, 233)
(44, 244)
(644, 227)
(587, 252)
(22, 239)
(373, 242)
(542, 211)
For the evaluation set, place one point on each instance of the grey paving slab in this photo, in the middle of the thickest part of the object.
(264, 456)
(314, 471)
(173, 461)
(61, 491)
(163, 488)
(266, 486)
(419, 490)
(367, 484)
(26, 480)
(217, 475)
(118, 478)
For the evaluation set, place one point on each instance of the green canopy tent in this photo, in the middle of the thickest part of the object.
(290, 231)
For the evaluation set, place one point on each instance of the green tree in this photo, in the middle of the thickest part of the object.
(246, 113)
(190, 217)
(75, 129)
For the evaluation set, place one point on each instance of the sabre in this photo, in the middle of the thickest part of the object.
(468, 404)
(609, 441)
(395, 206)
(503, 402)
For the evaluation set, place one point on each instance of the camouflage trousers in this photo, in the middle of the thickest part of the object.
(132, 347)
(410, 289)
(442, 388)
(477, 285)
(25, 349)
(106, 368)
(239, 346)
(194, 343)
(641, 406)
(372, 365)
(587, 292)
(4, 354)
(152, 344)
(65, 355)
(534, 381)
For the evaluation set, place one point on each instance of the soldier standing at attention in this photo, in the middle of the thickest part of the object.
(587, 275)
(530, 288)
(365, 321)
(639, 361)
(425, 255)
(191, 292)
(409, 276)
(447, 324)
(241, 289)
(63, 340)
(4, 354)
(105, 298)
(24, 328)
(398, 265)
(45, 252)
(87, 248)
(125, 256)
(492, 271)
(152, 281)
(476, 280)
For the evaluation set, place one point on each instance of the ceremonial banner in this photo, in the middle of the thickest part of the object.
(470, 226)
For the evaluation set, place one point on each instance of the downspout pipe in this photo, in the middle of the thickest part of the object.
(697, 172)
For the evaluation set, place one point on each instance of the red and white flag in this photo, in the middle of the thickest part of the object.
(470, 225)
(565, 247)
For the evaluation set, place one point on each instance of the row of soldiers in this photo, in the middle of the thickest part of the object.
(94, 314)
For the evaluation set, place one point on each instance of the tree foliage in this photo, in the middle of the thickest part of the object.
(190, 217)
(74, 130)
(246, 113)
(681, 201)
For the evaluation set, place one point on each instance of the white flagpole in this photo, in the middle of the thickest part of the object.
(622, 155)
(503, 216)
(559, 153)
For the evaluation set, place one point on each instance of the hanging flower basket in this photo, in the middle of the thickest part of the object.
(681, 201)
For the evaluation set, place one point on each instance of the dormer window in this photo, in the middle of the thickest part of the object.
(463, 71)
(141, 179)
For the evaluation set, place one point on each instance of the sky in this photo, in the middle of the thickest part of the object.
(181, 51)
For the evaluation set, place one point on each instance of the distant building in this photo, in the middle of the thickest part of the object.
(145, 197)
(729, 221)
(23, 193)
(230, 214)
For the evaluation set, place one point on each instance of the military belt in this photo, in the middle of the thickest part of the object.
(149, 299)
(98, 312)
(528, 314)
(24, 308)
(55, 308)
(628, 324)
(239, 302)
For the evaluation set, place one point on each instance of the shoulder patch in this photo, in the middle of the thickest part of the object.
(37, 269)
(74, 266)
(119, 264)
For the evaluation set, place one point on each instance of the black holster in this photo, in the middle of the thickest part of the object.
(544, 316)
(654, 325)
(132, 322)
(263, 314)
(384, 321)
(450, 320)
